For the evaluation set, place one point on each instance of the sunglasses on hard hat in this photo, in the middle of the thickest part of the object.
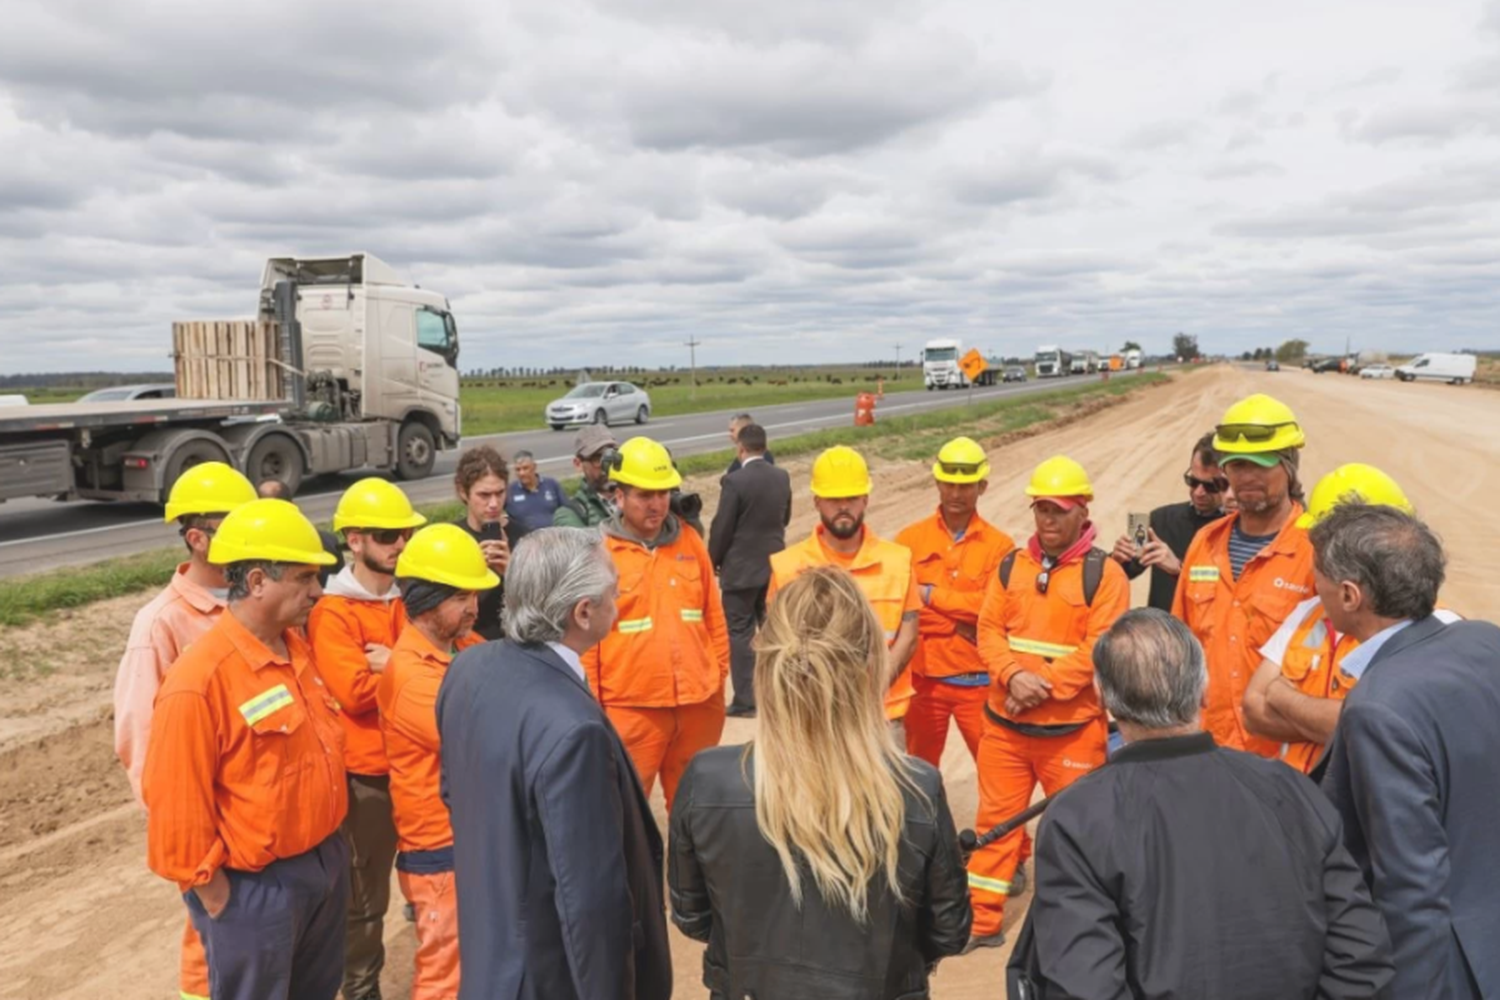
(1042, 579)
(959, 468)
(390, 536)
(1218, 484)
(1250, 432)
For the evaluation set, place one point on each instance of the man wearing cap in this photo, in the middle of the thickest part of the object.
(352, 631)
(841, 492)
(660, 672)
(1245, 573)
(588, 505)
(244, 780)
(955, 554)
(441, 573)
(1043, 610)
(172, 621)
(1305, 674)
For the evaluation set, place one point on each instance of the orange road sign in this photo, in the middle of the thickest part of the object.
(973, 364)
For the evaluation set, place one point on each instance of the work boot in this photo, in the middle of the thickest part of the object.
(1019, 881)
(994, 940)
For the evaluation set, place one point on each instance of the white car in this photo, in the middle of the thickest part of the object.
(1377, 371)
(599, 403)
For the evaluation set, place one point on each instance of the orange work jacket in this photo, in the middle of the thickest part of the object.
(245, 765)
(1051, 635)
(1311, 665)
(1233, 618)
(340, 627)
(959, 572)
(407, 695)
(172, 621)
(670, 645)
(883, 571)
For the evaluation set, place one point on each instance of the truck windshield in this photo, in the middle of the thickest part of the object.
(587, 390)
(1046, 356)
(941, 354)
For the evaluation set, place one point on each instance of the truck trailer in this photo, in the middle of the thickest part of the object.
(345, 366)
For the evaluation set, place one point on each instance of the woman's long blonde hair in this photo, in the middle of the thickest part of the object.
(828, 776)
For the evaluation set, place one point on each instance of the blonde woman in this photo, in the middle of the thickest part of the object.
(818, 860)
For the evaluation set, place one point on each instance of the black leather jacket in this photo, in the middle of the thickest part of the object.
(728, 889)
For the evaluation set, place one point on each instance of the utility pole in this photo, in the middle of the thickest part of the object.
(692, 346)
(898, 363)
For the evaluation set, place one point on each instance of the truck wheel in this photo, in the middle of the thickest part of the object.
(275, 457)
(184, 458)
(601, 418)
(415, 451)
(642, 415)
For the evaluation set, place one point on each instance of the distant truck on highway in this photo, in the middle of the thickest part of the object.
(940, 368)
(1084, 363)
(1454, 368)
(1133, 358)
(1052, 362)
(345, 366)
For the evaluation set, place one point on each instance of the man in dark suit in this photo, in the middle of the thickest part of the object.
(556, 855)
(1411, 766)
(736, 422)
(755, 506)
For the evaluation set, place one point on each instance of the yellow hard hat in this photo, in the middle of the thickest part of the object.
(1060, 476)
(961, 460)
(644, 464)
(1353, 483)
(208, 488)
(840, 473)
(375, 503)
(274, 530)
(446, 554)
(1257, 425)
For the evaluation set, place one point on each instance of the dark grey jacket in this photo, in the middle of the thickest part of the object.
(1181, 869)
(556, 856)
(729, 890)
(755, 506)
(1413, 770)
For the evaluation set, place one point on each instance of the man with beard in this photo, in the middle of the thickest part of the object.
(1247, 572)
(660, 672)
(352, 631)
(1044, 609)
(441, 574)
(883, 570)
(588, 506)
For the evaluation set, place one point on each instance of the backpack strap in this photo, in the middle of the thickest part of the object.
(1007, 565)
(1093, 572)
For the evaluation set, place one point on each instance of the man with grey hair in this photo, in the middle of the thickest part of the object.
(554, 846)
(1411, 767)
(1185, 869)
(737, 423)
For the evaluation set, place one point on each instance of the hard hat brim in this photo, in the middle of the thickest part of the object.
(274, 553)
(412, 520)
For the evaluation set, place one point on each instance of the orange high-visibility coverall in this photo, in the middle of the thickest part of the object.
(1051, 635)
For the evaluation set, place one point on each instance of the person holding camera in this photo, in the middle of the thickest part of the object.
(660, 672)
(480, 481)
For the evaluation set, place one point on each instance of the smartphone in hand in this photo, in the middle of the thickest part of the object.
(489, 531)
(1139, 523)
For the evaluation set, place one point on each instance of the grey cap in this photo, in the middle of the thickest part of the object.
(593, 439)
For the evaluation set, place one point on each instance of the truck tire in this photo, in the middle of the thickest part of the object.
(184, 458)
(275, 456)
(415, 451)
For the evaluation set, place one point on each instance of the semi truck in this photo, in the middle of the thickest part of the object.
(345, 366)
(1052, 362)
(1084, 363)
(1133, 358)
(940, 369)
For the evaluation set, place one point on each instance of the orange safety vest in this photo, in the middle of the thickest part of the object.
(1311, 664)
(1051, 635)
(883, 571)
(1233, 618)
(958, 572)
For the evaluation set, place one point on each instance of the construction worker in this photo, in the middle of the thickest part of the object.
(589, 504)
(172, 621)
(660, 672)
(1043, 610)
(353, 630)
(1243, 574)
(841, 493)
(1298, 692)
(441, 573)
(244, 781)
(955, 553)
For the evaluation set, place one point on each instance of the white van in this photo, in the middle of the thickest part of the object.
(1454, 368)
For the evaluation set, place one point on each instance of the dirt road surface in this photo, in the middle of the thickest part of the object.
(85, 917)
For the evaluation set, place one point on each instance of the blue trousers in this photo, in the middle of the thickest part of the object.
(281, 935)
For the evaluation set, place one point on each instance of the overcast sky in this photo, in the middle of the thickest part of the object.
(785, 180)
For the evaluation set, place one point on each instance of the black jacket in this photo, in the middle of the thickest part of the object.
(1175, 524)
(556, 856)
(755, 506)
(728, 889)
(1181, 869)
(1411, 768)
(492, 601)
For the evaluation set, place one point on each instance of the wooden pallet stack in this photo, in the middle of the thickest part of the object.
(228, 359)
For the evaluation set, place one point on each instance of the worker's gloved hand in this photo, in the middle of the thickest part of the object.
(377, 656)
(1155, 553)
(1124, 550)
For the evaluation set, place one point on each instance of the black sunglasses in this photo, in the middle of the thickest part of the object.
(389, 536)
(1250, 432)
(1218, 484)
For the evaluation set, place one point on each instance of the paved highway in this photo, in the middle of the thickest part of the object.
(43, 534)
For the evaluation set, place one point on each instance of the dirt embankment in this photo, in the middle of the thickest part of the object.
(89, 919)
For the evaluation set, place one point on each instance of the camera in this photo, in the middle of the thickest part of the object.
(687, 506)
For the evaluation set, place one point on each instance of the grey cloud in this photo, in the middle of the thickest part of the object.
(1235, 169)
(1028, 177)
(1163, 134)
(1431, 124)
